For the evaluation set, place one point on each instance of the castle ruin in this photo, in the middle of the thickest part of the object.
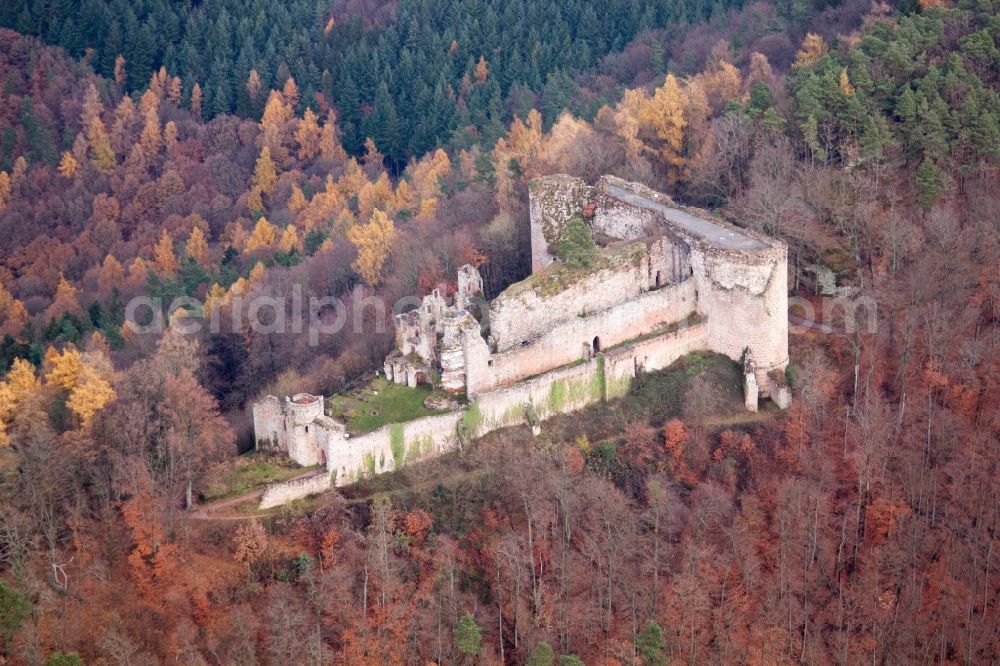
(665, 280)
(658, 264)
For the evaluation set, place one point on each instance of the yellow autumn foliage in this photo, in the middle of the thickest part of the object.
(373, 242)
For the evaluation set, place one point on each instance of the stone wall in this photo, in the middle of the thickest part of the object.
(574, 339)
(556, 392)
(567, 389)
(391, 447)
(306, 440)
(559, 391)
(648, 355)
(283, 492)
(559, 293)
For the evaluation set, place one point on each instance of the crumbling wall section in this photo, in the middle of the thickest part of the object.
(618, 219)
(269, 425)
(560, 391)
(284, 492)
(556, 392)
(552, 202)
(745, 298)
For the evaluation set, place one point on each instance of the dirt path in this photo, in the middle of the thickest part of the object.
(211, 511)
(811, 324)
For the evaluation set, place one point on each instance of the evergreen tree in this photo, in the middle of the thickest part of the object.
(467, 636)
(930, 183)
(542, 655)
(14, 610)
(576, 247)
(650, 645)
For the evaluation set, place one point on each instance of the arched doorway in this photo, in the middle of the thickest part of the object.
(597, 344)
(659, 279)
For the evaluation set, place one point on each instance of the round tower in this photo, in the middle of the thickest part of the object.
(303, 408)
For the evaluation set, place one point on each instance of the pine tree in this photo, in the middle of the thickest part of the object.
(666, 114)
(290, 240)
(257, 274)
(467, 636)
(253, 85)
(65, 300)
(273, 124)
(14, 610)
(650, 645)
(297, 200)
(329, 144)
(576, 245)
(19, 383)
(308, 135)
(255, 202)
(542, 655)
(482, 70)
(90, 394)
(120, 77)
(290, 91)
(215, 298)
(196, 100)
(876, 137)
(151, 138)
(264, 235)
(64, 367)
(844, 82)
(169, 135)
(5, 188)
(13, 315)
(64, 659)
(112, 274)
(813, 48)
(174, 90)
(930, 183)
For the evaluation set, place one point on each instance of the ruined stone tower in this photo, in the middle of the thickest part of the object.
(740, 276)
(297, 426)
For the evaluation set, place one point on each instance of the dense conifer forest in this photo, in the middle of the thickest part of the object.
(408, 81)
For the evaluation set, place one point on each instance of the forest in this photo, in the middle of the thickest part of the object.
(204, 153)
(411, 83)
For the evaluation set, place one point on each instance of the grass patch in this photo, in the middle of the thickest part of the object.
(248, 472)
(380, 403)
(557, 277)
